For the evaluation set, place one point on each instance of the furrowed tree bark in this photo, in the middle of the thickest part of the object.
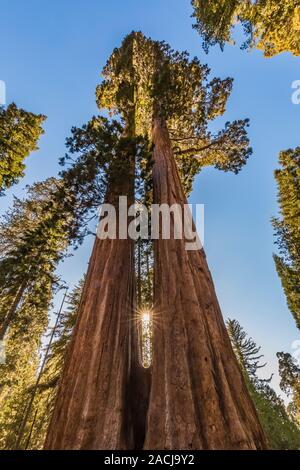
(198, 398)
(90, 410)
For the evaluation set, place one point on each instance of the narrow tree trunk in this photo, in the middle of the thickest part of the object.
(138, 393)
(140, 378)
(12, 311)
(90, 409)
(198, 399)
(36, 385)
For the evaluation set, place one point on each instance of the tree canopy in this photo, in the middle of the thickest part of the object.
(20, 131)
(269, 25)
(144, 79)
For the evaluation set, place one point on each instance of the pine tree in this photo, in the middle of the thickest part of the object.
(31, 247)
(287, 228)
(32, 242)
(269, 25)
(172, 96)
(289, 373)
(281, 431)
(46, 389)
(19, 134)
(246, 350)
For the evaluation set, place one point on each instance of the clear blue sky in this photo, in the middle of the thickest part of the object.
(51, 54)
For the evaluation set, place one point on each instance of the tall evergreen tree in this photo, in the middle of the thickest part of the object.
(20, 131)
(173, 96)
(287, 228)
(289, 373)
(46, 389)
(31, 247)
(269, 25)
(245, 349)
(33, 238)
(281, 431)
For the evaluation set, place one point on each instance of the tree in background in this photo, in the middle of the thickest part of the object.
(32, 242)
(269, 25)
(46, 389)
(287, 228)
(173, 97)
(281, 431)
(33, 237)
(289, 373)
(246, 350)
(19, 134)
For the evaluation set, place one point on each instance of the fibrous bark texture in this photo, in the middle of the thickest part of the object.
(198, 398)
(90, 410)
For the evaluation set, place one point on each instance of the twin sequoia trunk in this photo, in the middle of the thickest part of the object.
(90, 410)
(198, 399)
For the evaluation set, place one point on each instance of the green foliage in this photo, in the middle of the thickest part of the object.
(270, 25)
(246, 350)
(287, 228)
(44, 401)
(289, 373)
(215, 20)
(19, 134)
(32, 240)
(146, 79)
(281, 430)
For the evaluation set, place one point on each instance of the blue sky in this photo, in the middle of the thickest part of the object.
(51, 55)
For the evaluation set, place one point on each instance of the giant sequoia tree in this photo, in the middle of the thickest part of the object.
(270, 25)
(287, 228)
(193, 363)
(19, 134)
(198, 395)
(90, 410)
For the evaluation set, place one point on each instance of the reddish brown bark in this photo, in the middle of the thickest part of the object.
(198, 399)
(90, 410)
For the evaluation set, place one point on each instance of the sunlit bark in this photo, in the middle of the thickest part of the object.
(198, 397)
